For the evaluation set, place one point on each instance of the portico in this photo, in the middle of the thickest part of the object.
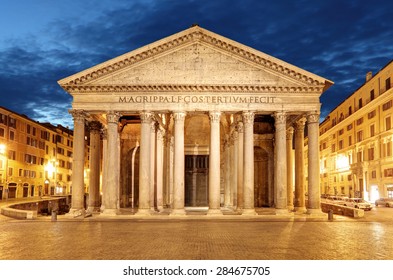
(196, 119)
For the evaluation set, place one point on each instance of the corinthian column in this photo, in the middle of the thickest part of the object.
(299, 167)
(160, 169)
(78, 186)
(214, 164)
(289, 169)
(240, 166)
(153, 131)
(111, 202)
(280, 179)
(314, 205)
(178, 180)
(144, 164)
(248, 166)
(95, 158)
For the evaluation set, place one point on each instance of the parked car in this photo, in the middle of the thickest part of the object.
(333, 199)
(358, 203)
(384, 201)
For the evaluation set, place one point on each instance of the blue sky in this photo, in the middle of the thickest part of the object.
(43, 41)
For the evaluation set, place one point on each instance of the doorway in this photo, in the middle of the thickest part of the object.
(196, 180)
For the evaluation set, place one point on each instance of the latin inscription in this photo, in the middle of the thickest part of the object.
(222, 99)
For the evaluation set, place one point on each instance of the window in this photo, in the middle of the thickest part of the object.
(359, 156)
(359, 121)
(387, 83)
(350, 110)
(388, 123)
(12, 135)
(372, 130)
(2, 132)
(340, 144)
(349, 177)
(333, 148)
(373, 174)
(359, 136)
(349, 127)
(360, 103)
(350, 140)
(387, 105)
(387, 149)
(371, 153)
(388, 172)
(372, 95)
(341, 132)
(371, 114)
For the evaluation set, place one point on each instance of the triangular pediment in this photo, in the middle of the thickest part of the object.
(195, 57)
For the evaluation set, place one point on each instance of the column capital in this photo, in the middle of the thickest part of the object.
(290, 131)
(214, 116)
(299, 124)
(313, 117)
(146, 117)
(280, 117)
(95, 126)
(78, 115)
(112, 117)
(248, 117)
(179, 116)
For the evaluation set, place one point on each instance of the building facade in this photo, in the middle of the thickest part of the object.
(196, 120)
(356, 141)
(35, 158)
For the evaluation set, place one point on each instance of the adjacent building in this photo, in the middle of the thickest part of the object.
(35, 158)
(356, 141)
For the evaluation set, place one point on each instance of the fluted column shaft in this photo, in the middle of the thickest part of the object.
(240, 166)
(248, 166)
(289, 169)
(95, 158)
(111, 203)
(214, 164)
(78, 186)
(144, 164)
(314, 199)
(299, 167)
(280, 173)
(178, 177)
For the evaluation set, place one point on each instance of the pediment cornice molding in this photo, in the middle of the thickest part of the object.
(191, 35)
(190, 88)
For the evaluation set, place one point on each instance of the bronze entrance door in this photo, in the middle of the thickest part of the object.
(196, 180)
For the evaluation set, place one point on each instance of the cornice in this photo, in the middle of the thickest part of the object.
(189, 88)
(191, 35)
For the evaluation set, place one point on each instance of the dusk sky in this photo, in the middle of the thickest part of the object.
(43, 41)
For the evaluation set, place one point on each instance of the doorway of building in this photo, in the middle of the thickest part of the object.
(261, 181)
(196, 180)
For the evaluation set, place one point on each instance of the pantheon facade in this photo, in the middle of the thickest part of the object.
(196, 120)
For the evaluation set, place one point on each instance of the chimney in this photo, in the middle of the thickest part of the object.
(369, 75)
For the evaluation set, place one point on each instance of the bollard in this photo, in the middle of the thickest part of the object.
(54, 216)
(330, 215)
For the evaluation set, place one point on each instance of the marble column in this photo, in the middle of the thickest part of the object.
(214, 164)
(234, 169)
(160, 169)
(314, 193)
(240, 162)
(95, 159)
(280, 179)
(299, 202)
(112, 186)
(104, 133)
(178, 177)
(153, 190)
(248, 164)
(227, 169)
(144, 164)
(290, 169)
(78, 163)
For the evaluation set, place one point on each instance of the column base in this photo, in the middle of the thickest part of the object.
(143, 212)
(315, 212)
(300, 210)
(249, 212)
(214, 212)
(93, 209)
(283, 212)
(109, 212)
(76, 213)
(178, 212)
